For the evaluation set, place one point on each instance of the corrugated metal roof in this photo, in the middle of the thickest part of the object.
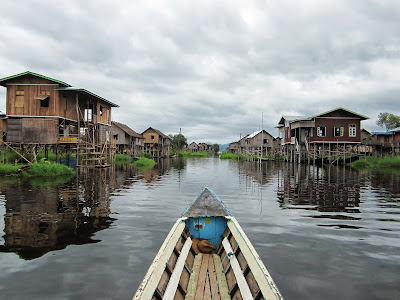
(339, 108)
(127, 129)
(256, 133)
(34, 74)
(88, 93)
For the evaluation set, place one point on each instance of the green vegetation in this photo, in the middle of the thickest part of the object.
(146, 155)
(226, 155)
(12, 156)
(390, 121)
(193, 154)
(7, 169)
(144, 163)
(179, 141)
(38, 170)
(122, 158)
(45, 182)
(377, 163)
(216, 148)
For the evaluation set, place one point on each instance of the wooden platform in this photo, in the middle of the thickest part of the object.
(203, 280)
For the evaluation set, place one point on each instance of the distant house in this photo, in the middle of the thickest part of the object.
(203, 147)
(339, 127)
(44, 110)
(386, 142)
(127, 141)
(193, 147)
(259, 143)
(233, 147)
(156, 143)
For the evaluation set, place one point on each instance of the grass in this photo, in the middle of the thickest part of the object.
(146, 155)
(377, 163)
(36, 170)
(226, 155)
(194, 154)
(12, 156)
(122, 158)
(144, 164)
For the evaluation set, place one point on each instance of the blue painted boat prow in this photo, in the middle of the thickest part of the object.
(206, 217)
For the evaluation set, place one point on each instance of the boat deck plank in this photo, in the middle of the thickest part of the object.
(204, 278)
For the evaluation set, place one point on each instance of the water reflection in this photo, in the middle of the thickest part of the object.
(331, 189)
(38, 220)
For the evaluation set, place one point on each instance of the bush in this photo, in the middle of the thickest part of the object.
(144, 162)
(193, 154)
(374, 162)
(226, 155)
(123, 158)
(146, 155)
(37, 170)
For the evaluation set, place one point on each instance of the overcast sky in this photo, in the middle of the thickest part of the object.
(212, 68)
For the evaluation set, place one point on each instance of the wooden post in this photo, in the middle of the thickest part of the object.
(79, 130)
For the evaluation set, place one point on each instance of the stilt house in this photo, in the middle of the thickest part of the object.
(46, 111)
(126, 140)
(326, 132)
(156, 143)
(193, 147)
(386, 142)
(259, 143)
(233, 147)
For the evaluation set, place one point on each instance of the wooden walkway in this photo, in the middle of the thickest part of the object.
(204, 278)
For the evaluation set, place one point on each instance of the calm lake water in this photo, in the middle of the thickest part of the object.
(323, 233)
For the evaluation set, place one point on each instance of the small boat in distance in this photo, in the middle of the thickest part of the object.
(207, 255)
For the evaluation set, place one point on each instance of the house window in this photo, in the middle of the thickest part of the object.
(19, 98)
(116, 137)
(45, 102)
(88, 112)
(101, 110)
(321, 131)
(152, 137)
(338, 131)
(352, 130)
(88, 115)
(265, 141)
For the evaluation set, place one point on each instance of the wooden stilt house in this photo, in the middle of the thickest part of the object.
(43, 111)
(330, 134)
(127, 141)
(156, 143)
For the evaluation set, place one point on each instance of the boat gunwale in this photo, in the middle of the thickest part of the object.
(256, 265)
(149, 283)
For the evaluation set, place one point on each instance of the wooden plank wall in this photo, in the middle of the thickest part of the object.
(147, 137)
(31, 106)
(32, 130)
(61, 103)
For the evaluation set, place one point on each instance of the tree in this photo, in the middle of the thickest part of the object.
(390, 121)
(216, 148)
(178, 141)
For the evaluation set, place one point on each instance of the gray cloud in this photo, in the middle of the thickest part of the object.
(212, 68)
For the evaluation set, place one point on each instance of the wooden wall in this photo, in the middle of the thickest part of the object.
(32, 130)
(61, 103)
(147, 137)
(31, 87)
